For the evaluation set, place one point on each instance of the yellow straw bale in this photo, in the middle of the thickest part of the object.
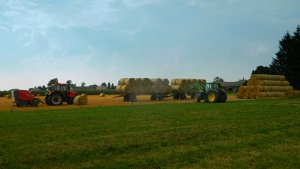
(121, 81)
(267, 77)
(81, 99)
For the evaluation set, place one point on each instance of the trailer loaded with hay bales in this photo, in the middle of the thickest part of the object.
(265, 86)
(157, 88)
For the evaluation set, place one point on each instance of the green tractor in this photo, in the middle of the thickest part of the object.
(210, 92)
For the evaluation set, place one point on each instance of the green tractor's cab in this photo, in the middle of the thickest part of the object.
(211, 93)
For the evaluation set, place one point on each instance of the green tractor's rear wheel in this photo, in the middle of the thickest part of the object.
(223, 98)
(212, 96)
(56, 99)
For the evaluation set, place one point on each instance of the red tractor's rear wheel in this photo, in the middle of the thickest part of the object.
(56, 99)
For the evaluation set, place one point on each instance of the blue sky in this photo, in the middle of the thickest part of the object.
(95, 41)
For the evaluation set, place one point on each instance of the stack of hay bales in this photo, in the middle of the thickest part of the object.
(160, 86)
(140, 86)
(265, 86)
(80, 99)
(182, 85)
(242, 93)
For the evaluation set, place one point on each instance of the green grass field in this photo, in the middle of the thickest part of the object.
(236, 134)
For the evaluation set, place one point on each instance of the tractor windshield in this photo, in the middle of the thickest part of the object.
(210, 86)
(58, 88)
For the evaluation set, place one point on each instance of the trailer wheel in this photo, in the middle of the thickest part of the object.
(56, 99)
(223, 98)
(197, 97)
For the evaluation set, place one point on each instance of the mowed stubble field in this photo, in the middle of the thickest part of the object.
(95, 101)
(236, 134)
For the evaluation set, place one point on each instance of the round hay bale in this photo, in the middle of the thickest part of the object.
(138, 81)
(276, 94)
(146, 81)
(168, 89)
(178, 88)
(281, 88)
(262, 88)
(125, 88)
(121, 81)
(157, 81)
(245, 95)
(252, 95)
(267, 77)
(243, 89)
(173, 81)
(180, 81)
(80, 100)
(261, 95)
(271, 83)
(129, 81)
(165, 82)
(102, 95)
(118, 88)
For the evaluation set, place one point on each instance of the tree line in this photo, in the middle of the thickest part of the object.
(287, 60)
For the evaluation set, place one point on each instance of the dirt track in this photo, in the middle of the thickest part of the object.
(94, 101)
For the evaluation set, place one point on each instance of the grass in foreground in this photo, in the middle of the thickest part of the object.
(240, 134)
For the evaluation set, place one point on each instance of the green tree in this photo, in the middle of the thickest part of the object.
(262, 70)
(108, 85)
(287, 61)
(218, 79)
(52, 81)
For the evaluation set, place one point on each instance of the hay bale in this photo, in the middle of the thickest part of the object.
(118, 88)
(180, 81)
(165, 82)
(146, 82)
(177, 87)
(276, 94)
(246, 95)
(267, 77)
(173, 81)
(102, 95)
(129, 81)
(243, 89)
(121, 81)
(270, 83)
(125, 88)
(157, 81)
(80, 99)
(282, 88)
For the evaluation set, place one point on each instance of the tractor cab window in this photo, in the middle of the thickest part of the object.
(59, 88)
(210, 86)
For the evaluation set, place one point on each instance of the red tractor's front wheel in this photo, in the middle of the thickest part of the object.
(56, 99)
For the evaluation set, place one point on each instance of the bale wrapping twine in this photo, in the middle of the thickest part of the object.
(80, 100)
(265, 86)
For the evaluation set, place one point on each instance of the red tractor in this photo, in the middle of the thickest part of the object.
(24, 98)
(59, 93)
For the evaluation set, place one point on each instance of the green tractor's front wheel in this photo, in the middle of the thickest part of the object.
(212, 96)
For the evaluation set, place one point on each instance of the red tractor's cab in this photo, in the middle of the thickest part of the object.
(59, 93)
